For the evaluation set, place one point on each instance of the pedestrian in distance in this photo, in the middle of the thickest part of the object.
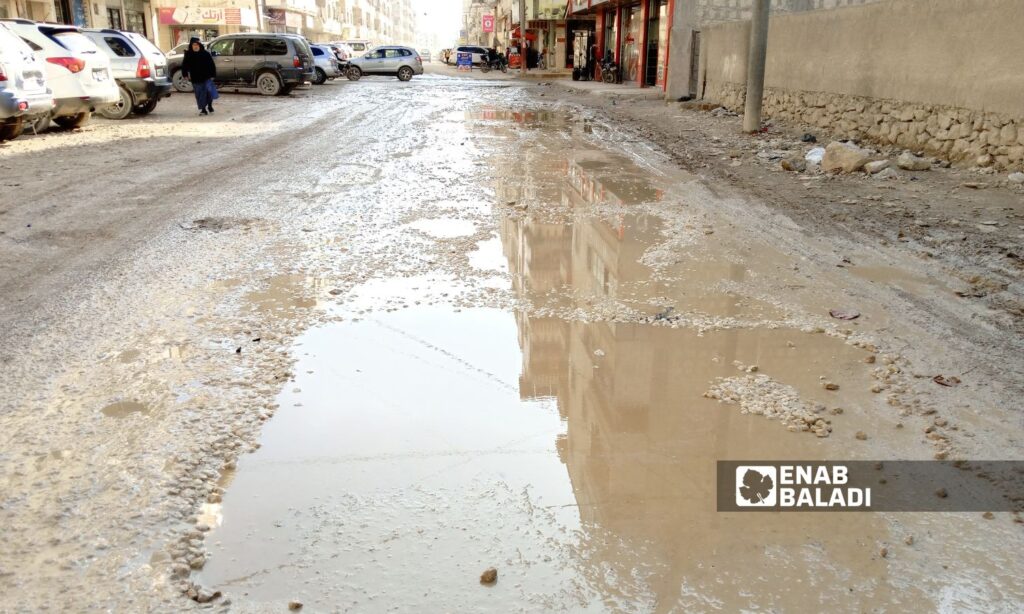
(198, 67)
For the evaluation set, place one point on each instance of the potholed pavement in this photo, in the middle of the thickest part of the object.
(472, 330)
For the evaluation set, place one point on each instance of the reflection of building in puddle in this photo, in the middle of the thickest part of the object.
(616, 180)
(642, 441)
(583, 178)
(523, 117)
(641, 447)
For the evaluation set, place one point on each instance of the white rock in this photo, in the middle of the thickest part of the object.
(877, 166)
(1016, 178)
(888, 173)
(844, 157)
(910, 162)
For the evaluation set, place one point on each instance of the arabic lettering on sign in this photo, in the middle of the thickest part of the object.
(183, 16)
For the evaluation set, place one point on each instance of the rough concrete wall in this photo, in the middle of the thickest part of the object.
(891, 71)
(712, 11)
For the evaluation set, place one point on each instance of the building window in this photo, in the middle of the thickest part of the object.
(114, 19)
(135, 22)
(62, 8)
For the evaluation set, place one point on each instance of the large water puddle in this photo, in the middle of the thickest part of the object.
(418, 448)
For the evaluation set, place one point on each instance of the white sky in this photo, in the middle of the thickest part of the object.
(441, 17)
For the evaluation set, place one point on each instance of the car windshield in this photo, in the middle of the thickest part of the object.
(75, 41)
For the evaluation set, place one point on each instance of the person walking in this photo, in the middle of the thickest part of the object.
(198, 67)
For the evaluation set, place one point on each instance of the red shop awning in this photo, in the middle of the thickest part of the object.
(530, 36)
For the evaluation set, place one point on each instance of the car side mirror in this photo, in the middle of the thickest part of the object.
(214, 53)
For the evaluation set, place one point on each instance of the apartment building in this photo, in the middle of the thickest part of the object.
(170, 22)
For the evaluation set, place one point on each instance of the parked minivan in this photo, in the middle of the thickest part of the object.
(76, 70)
(272, 63)
(139, 68)
(23, 90)
(479, 53)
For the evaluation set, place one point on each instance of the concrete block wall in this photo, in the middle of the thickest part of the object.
(712, 11)
(937, 76)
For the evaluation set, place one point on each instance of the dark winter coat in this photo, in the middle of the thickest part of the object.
(198, 65)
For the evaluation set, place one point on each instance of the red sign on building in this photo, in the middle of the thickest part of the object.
(488, 23)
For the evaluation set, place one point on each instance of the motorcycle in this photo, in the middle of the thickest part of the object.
(495, 64)
(609, 71)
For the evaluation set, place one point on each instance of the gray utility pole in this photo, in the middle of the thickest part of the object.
(755, 66)
(522, 37)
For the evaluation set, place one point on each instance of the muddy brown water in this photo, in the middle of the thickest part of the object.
(572, 450)
(427, 445)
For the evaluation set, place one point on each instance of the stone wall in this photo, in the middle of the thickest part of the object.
(959, 135)
(939, 77)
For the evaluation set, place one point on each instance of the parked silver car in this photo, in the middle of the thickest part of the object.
(139, 68)
(401, 62)
(23, 90)
(76, 71)
(325, 64)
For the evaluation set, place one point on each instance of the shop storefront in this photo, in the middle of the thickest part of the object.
(178, 24)
(634, 34)
(127, 15)
(550, 35)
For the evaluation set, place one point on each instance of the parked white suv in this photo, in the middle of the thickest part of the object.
(139, 68)
(23, 91)
(76, 70)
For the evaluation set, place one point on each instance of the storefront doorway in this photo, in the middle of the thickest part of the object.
(580, 32)
(657, 43)
(629, 56)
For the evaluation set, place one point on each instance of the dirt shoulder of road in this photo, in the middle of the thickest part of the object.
(946, 244)
(968, 221)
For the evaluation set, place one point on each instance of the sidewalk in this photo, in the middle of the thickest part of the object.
(615, 89)
(562, 78)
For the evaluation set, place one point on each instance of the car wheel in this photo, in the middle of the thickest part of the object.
(404, 73)
(181, 83)
(70, 122)
(353, 73)
(320, 77)
(268, 84)
(120, 109)
(146, 108)
(12, 128)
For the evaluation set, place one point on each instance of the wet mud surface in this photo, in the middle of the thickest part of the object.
(473, 330)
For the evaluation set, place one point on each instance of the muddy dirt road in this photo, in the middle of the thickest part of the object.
(353, 347)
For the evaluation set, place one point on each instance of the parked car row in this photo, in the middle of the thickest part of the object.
(63, 74)
(275, 64)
